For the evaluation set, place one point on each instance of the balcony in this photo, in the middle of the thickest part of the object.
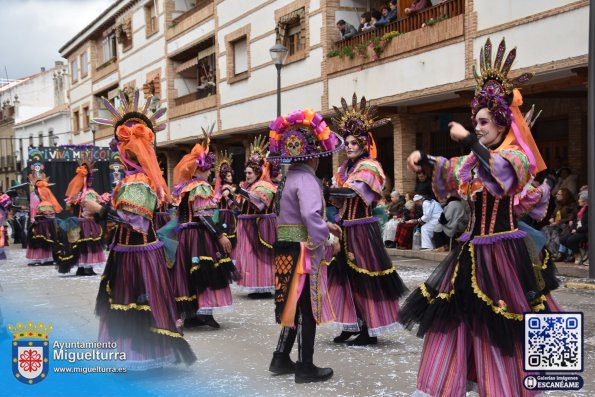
(192, 103)
(443, 22)
(202, 10)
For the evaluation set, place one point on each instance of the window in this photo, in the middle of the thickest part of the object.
(195, 71)
(240, 56)
(30, 140)
(151, 21)
(108, 46)
(291, 29)
(124, 32)
(85, 118)
(237, 50)
(84, 64)
(74, 70)
(52, 140)
(41, 139)
(75, 122)
(293, 38)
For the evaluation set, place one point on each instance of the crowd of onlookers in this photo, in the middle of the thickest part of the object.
(437, 225)
(378, 18)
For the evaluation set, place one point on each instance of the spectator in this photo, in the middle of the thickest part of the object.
(381, 17)
(566, 179)
(395, 214)
(404, 234)
(417, 6)
(451, 224)
(380, 213)
(580, 232)
(558, 227)
(393, 14)
(347, 30)
(428, 221)
(366, 22)
(423, 185)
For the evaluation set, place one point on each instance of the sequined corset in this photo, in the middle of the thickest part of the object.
(355, 208)
(125, 235)
(490, 215)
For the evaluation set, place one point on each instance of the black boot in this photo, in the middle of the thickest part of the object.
(344, 336)
(193, 322)
(89, 272)
(308, 372)
(281, 364)
(80, 271)
(363, 339)
(209, 320)
(260, 295)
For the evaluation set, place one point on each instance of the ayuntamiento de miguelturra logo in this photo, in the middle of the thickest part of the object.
(30, 351)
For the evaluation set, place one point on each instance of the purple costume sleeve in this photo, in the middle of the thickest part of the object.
(364, 191)
(137, 222)
(533, 202)
(255, 200)
(310, 202)
(508, 174)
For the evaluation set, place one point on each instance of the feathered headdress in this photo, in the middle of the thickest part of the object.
(301, 135)
(222, 167)
(358, 122)
(500, 95)
(199, 158)
(134, 127)
(257, 159)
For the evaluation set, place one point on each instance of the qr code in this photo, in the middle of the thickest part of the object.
(553, 342)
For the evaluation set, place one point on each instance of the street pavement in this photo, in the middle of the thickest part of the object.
(233, 361)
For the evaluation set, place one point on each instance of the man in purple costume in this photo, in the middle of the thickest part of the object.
(302, 237)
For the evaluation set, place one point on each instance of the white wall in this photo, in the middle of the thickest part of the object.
(433, 68)
(192, 36)
(59, 123)
(491, 14)
(181, 128)
(556, 38)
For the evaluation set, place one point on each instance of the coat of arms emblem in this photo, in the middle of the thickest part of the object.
(30, 351)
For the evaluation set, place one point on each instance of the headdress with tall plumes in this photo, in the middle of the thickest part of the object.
(358, 122)
(132, 112)
(199, 158)
(82, 179)
(222, 167)
(500, 95)
(223, 164)
(301, 135)
(257, 159)
(134, 128)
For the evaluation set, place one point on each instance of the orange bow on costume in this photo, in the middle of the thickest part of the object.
(136, 149)
(46, 194)
(186, 168)
(77, 183)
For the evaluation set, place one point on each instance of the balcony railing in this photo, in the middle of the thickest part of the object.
(447, 9)
(199, 4)
(199, 94)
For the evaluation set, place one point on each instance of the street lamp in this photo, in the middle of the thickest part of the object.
(278, 55)
(93, 128)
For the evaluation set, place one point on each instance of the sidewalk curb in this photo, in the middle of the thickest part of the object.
(574, 285)
(564, 269)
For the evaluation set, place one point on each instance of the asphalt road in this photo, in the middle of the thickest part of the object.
(233, 360)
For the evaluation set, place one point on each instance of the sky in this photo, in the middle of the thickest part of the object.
(32, 31)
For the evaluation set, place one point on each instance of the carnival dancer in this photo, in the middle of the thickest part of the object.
(5, 205)
(42, 231)
(301, 295)
(89, 245)
(257, 224)
(135, 303)
(203, 271)
(363, 268)
(224, 191)
(471, 308)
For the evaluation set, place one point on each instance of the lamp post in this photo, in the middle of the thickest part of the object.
(278, 55)
(93, 128)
